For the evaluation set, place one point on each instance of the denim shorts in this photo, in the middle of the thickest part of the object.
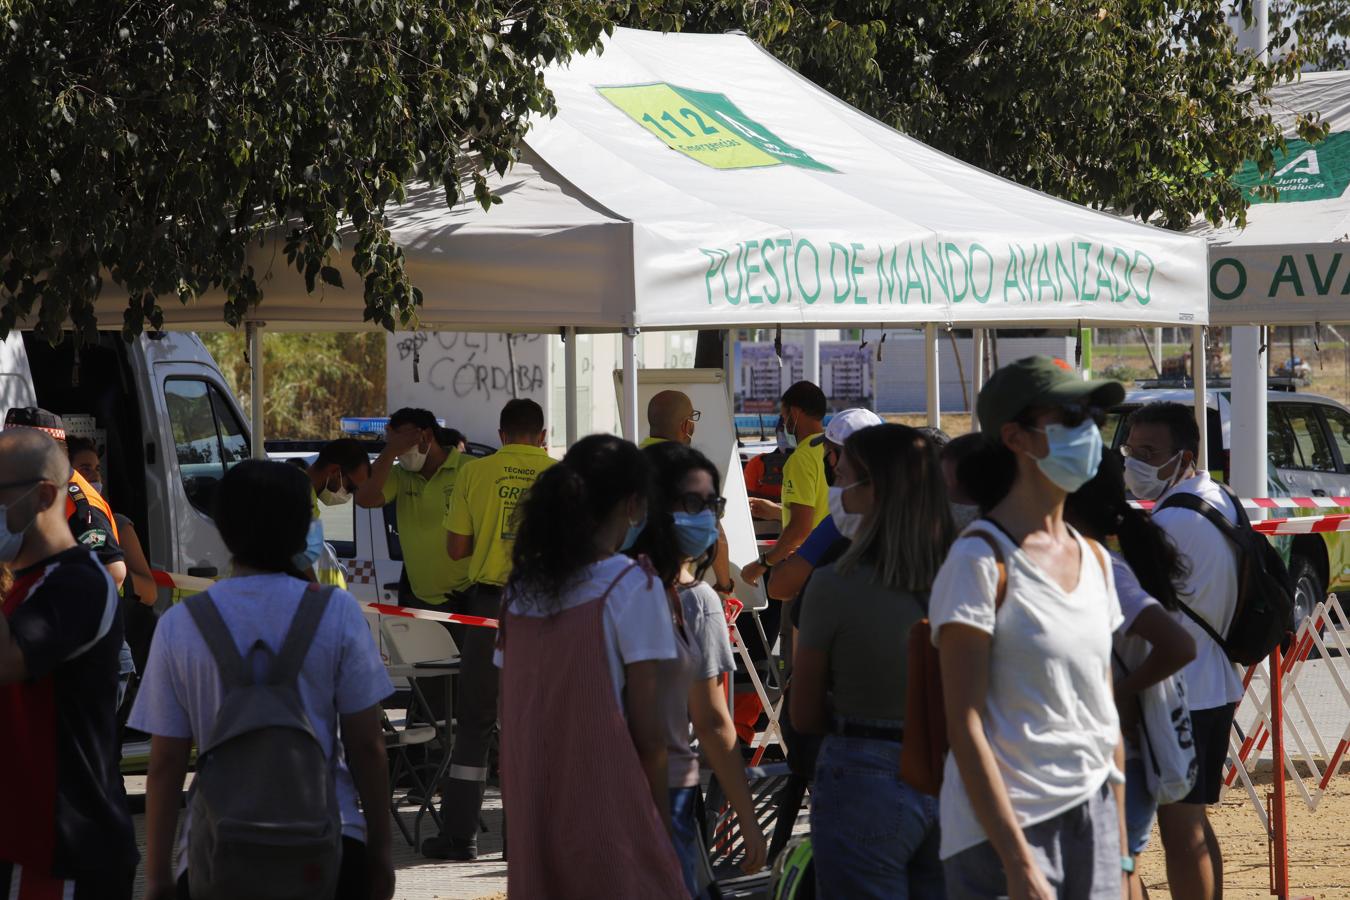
(872, 835)
(1078, 851)
(1141, 807)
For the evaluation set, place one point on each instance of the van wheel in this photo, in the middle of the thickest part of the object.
(1308, 588)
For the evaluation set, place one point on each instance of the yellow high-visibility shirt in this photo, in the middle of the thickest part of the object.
(484, 503)
(422, 505)
(804, 481)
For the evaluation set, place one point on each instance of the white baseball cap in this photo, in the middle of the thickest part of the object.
(844, 423)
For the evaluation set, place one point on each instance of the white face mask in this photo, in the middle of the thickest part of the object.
(334, 498)
(847, 522)
(1143, 480)
(11, 542)
(413, 460)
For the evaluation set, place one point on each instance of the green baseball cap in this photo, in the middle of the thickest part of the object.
(1039, 381)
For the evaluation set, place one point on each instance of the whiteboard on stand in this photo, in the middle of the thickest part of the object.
(715, 436)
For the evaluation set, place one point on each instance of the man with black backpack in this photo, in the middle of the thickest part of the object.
(1236, 604)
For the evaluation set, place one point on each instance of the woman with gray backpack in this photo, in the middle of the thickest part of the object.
(264, 673)
(1149, 650)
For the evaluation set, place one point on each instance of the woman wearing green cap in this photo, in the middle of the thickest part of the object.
(1022, 612)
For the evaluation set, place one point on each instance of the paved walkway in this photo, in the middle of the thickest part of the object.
(419, 878)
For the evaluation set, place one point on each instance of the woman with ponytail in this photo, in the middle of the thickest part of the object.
(680, 540)
(584, 635)
(1147, 571)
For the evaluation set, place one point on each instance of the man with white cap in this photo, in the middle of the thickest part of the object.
(788, 577)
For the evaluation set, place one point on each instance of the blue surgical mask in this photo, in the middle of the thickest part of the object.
(695, 532)
(1074, 454)
(634, 531)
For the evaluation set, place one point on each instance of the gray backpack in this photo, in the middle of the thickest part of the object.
(265, 820)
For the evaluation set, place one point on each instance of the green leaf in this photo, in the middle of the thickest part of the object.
(331, 276)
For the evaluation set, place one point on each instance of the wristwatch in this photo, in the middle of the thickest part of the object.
(728, 588)
(764, 562)
(1127, 864)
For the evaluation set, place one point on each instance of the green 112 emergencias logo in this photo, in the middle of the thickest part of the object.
(706, 127)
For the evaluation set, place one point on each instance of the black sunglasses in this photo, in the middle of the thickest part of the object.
(696, 503)
(1071, 415)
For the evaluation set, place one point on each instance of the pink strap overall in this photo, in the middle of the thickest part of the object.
(579, 815)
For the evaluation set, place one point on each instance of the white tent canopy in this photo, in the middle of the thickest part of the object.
(1289, 265)
(692, 181)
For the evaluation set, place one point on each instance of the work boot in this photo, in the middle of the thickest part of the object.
(442, 846)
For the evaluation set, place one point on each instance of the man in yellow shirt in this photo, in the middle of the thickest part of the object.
(480, 529)
(806, 494)
(420, 486)
(670, 417)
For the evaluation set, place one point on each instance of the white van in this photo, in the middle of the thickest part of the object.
(170, 424)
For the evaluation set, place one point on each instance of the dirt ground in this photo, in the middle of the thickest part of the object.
(1319, 865)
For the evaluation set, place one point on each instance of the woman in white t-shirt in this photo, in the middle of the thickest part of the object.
(680, 540)
(1149, 640)
(583, 638)
(1030, 802)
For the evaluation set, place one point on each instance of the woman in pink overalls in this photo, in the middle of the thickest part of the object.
(585, 632)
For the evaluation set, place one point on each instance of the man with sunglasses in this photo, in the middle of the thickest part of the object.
(670, 417)
(64, 827)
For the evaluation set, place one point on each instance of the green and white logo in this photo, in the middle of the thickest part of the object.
(1303, 172)
(706, 127)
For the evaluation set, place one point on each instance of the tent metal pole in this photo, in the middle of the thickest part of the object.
(728, 363)
(811, 356)
(1198, 376)
(1247, 436)
(570, 382)
(977, 373)
(930, 349)
(253, 332)
(629, 412)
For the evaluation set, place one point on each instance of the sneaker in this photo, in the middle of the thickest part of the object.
(443, 846)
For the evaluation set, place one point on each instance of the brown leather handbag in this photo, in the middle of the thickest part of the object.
(924, 751)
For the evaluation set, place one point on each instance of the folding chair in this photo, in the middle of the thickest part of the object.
(397, 743)
(721, 831)
(420, 649)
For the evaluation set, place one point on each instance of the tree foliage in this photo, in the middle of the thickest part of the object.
(150, 144)
(1127, 104)
(312, 379)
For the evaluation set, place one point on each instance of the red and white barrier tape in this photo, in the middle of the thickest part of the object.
(402, 612)
(1276, 503)
(173, 580)
(1305, 525)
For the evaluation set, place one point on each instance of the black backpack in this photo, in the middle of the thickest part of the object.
(1265, 596)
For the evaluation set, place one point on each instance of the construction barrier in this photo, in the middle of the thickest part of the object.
(1326, 631)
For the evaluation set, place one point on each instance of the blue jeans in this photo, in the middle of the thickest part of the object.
(1141, 807)
(688, 842)
(126, 667)
(872, 835)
